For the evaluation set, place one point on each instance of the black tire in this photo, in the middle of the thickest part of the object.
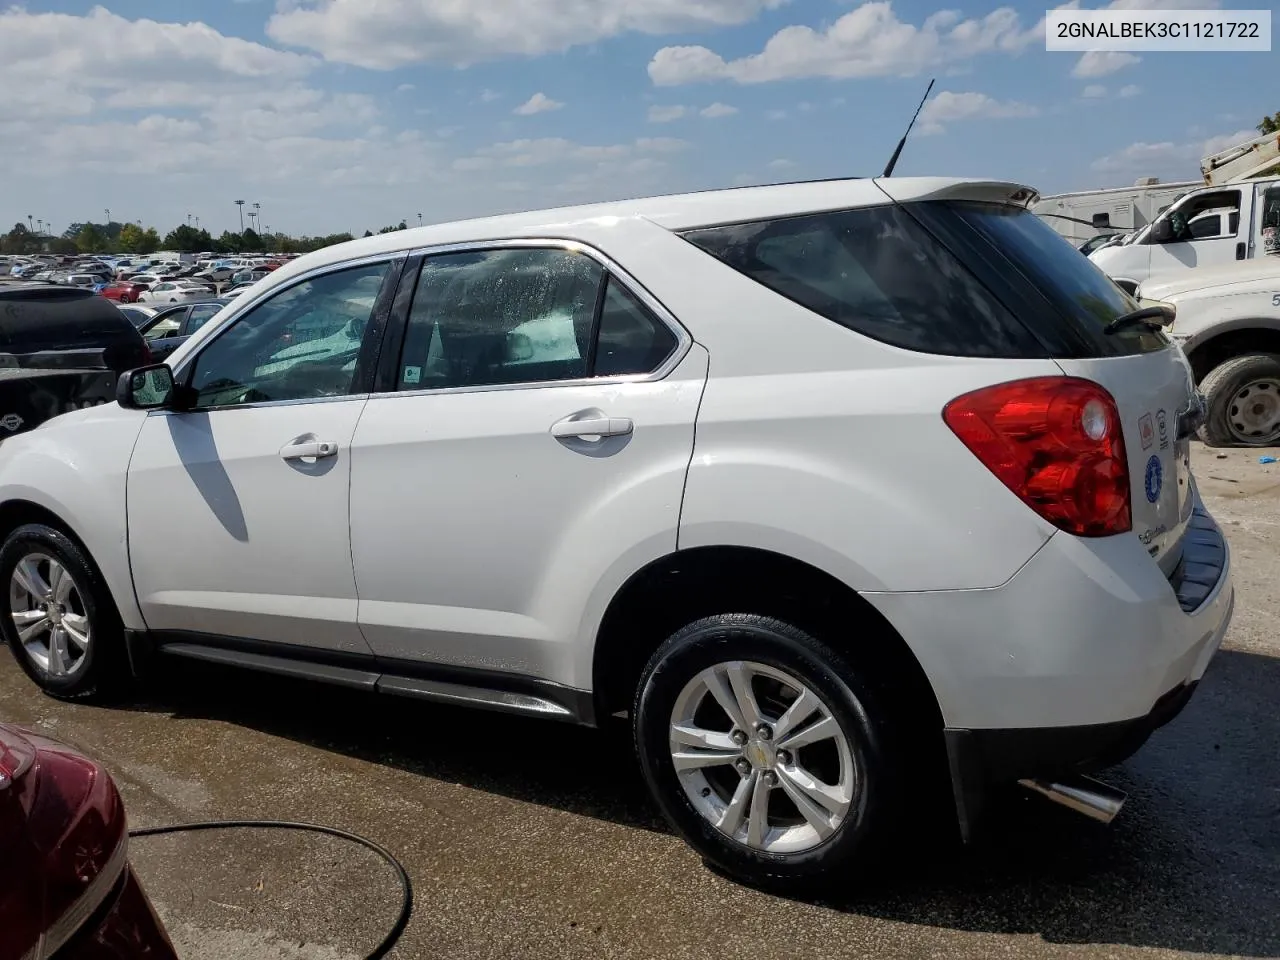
(103, 669)
(857, 705)
(1222, 388)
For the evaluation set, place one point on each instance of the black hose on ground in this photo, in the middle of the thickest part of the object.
(406, 886)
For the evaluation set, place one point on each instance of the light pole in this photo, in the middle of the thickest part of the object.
(240, 204)
(188, 219)
(30, 225)
(107, 210)
(419, 219)
(257, 214)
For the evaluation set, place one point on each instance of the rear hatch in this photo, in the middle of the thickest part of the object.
(1069, 302)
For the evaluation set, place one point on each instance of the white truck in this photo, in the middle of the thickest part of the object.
(1234, 217)
(1227, 321)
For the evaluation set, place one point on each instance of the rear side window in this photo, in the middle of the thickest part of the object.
(1083, 294)
(876, 271)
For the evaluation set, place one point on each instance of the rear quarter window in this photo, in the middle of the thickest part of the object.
(878, 272)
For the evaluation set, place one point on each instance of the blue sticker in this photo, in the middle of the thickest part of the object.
(1155, 479)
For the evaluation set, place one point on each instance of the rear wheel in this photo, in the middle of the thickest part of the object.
(1243, 396)
(58, 616)
(764, 749)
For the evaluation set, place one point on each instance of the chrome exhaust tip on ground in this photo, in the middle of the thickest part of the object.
(1081, 794)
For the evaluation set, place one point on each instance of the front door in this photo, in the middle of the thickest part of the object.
(1184, 248)
(238, 507)
(538, 441)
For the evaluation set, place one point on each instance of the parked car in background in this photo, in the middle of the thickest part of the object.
(124, 291)
(61, 349)
(82, 280)
(147, 279)
(217, 273)
(807, 620)
(249, 276)
(67, 890)
(1096, 243)
(1228, 322)
(168, 329)
(176, 291)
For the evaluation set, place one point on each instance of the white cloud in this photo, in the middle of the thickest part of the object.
(781, 164)
(1094, 90)
(776, 115)
(538, 103)
(717, 110)
(553, 150)
(384, 34)
(666, 114)
(1167, 159)
(1130, 90)
(488, 96)
(102, 53)
(404, 88)
(948, 107)
(1102, 63)
(870, 41)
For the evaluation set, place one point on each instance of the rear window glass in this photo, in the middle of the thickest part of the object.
(876, 271)
(1076, 288)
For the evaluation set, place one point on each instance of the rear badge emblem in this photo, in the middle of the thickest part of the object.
(11, 422)
(1154, 479)
(1162, 421)
(1146, 431)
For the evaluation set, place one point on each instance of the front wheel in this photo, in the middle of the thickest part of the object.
(1243, 396)
(57, 614)
(764, 749)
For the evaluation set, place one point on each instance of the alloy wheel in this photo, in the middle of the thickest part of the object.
(762, 757)
(49, 615)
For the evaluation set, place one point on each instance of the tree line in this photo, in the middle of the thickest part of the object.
(116, 237)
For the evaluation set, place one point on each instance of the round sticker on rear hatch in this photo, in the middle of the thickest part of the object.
(1155, 479)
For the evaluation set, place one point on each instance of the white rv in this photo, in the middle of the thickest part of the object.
(1091, 214)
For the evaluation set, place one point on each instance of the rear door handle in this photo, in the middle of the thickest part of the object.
(1240, 251)
(309, 450)
(592, 427)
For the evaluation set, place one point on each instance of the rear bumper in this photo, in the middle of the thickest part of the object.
(1070, 666)
(979, 759)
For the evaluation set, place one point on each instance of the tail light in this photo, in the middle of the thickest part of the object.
(1057, 443)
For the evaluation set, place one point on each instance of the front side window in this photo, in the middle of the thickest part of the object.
(202, 314)
(1181, 222)
(166, 326)
(301, 344)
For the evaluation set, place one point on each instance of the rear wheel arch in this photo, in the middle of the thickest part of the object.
(1253, 337)
(682, 587)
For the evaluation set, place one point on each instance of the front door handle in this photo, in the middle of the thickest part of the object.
(308, 450)
(1240, 250)
(569, 428)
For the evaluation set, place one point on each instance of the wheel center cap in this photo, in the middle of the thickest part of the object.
(55, 614)
(759, 754)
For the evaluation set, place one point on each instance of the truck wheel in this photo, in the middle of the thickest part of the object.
(57, 614)
(1243, 396)
(765, 750)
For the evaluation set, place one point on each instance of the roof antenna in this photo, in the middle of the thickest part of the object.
(893, 161)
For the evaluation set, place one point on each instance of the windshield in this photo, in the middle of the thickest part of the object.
(1086, 296)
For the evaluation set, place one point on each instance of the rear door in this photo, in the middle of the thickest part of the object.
(1144, 370)
(537, 428)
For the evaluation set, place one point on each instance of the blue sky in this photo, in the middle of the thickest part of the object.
(352, 114)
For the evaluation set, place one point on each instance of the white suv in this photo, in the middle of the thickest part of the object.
(829, 487)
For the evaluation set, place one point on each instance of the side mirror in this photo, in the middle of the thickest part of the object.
(1162, 231)
(146, 388)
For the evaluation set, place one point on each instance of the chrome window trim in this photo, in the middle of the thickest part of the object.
(684, 340)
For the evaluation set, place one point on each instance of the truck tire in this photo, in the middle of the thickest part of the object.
(1243, 396)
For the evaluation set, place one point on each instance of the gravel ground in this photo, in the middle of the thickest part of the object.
(531, 839)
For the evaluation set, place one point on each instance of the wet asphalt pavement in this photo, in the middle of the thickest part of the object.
(533, 839)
